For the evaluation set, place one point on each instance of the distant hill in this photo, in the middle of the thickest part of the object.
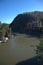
(29, 23)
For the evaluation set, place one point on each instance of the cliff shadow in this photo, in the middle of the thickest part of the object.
(32, 61)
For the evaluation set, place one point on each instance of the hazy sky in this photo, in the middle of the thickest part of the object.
(10, 8)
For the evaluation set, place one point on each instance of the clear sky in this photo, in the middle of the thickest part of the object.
(10, 8)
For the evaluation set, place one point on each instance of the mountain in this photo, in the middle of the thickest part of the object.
(29, 23)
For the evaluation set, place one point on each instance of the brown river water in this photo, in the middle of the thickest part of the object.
(18, 48)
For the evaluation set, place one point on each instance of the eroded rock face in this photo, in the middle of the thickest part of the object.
(30, 22)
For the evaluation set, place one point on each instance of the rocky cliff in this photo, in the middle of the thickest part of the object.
(29, 23)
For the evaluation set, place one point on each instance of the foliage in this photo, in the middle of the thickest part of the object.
(40, 49)
(4, 28)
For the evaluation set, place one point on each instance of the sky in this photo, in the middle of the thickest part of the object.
(9, 9)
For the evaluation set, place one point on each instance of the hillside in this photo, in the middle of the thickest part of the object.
(29, 23)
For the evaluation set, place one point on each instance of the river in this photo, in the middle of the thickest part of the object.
(19, 48)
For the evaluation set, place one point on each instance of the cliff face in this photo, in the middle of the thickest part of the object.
(28, 22)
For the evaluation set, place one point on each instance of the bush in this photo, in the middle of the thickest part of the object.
(40, 49)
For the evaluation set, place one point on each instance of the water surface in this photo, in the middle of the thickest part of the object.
(18, 48)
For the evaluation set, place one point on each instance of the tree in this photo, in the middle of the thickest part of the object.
(4, 28)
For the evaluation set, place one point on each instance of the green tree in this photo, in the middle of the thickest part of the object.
(4, 28)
